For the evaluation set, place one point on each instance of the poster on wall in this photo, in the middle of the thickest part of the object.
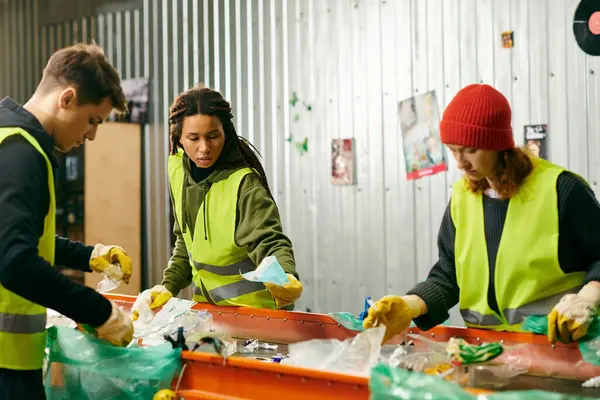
(342, 161)
(535, 139)
(419, 126)
(136, 92)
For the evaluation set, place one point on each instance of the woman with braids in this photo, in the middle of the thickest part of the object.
(520, 236)
(226, 221)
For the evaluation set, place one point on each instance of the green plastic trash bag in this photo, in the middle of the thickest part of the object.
(589, 345)
(389, 383)
(531, 395)
(85, 368)
(397, 383)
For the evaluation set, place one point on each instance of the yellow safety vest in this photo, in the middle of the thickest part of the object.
(22, 322)
(528, 278)
(217, 261)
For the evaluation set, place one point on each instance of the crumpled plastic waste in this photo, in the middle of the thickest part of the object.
(269, 271)
(592, 383)
(109, 283)
(250, 345)
(355, 355)
(203, 342)
(151, 329)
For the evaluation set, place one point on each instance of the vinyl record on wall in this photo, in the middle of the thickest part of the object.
(586, 26)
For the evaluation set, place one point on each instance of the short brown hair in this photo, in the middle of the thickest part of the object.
(514, 166)
(86, 67)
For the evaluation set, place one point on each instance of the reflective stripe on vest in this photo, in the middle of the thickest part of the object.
(527, 256)
(240, 267)
(217, 261)
(515, 315)
(19, 323)
(22, 322)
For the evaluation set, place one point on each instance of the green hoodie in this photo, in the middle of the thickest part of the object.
(258, 224)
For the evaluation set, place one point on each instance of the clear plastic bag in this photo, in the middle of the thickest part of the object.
(175, 313)
(84, 368)
(142, 307)
(492, 376)
(419, 361)
(111, 280)
(352, 356)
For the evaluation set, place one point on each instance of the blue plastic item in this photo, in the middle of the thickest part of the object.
(269, 271)
(368, 303)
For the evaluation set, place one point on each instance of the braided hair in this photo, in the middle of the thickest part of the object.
(202, 100)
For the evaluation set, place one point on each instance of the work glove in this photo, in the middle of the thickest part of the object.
(286, 294)
(154, 298)
(394, 312)
(570, 319)
(111, 261)
(118, 329)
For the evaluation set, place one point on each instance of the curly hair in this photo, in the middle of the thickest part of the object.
(202, 100)
(514, 166)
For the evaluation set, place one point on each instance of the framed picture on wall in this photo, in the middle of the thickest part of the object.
(535, 139)
(342, 162)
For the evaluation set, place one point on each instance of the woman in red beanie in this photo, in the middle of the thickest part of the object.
(519, 237)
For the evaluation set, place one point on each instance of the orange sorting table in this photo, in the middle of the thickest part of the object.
(209, 376)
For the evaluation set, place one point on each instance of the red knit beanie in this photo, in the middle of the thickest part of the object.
(478, 116)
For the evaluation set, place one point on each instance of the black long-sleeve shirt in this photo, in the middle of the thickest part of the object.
(24, 204)
(578, 246)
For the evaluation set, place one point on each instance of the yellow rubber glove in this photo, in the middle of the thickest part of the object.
(570, 319)
(155, 298)
(118, 329)
(395, 312)
(104, 257)
(286, 294)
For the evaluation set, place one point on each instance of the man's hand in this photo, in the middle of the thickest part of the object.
(104, 257)
(118, 329)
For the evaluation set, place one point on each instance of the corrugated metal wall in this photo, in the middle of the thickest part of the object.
(349, 62)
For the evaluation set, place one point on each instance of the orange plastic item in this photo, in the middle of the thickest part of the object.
(208, 376)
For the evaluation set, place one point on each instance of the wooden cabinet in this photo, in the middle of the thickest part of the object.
(113, 196)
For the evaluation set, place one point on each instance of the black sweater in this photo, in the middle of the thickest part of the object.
(578, 246)
(24, 203)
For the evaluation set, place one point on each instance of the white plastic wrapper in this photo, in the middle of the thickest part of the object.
(112, 279)
(352, 356)
(142, 306)
(54, 318)
(175, 313)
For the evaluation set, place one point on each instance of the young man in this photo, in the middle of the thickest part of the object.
(78, 90)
